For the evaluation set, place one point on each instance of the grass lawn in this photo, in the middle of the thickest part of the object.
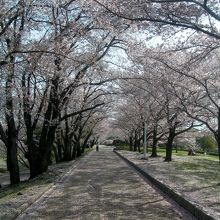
(87, 150)
(3, 167)
(184, 153)
(123, 147)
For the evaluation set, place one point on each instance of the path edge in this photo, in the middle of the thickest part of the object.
(196, 211)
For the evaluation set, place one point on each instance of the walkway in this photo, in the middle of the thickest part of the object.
(100, 187)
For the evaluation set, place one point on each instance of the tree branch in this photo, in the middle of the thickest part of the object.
(81, 111)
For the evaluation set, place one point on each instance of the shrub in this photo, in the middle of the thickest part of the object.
(206, 143)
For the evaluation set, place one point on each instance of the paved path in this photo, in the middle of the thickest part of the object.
(102, 187)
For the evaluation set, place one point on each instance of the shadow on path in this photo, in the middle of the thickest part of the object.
(102, 186)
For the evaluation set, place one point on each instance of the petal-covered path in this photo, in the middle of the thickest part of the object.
(102, 186)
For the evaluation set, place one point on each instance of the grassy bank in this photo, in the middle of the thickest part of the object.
(3, 167)
(184, 153)
(15, 199)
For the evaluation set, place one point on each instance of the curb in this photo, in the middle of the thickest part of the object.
(198, 212)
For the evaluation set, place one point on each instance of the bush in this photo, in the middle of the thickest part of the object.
(206, 143)
(3, 170)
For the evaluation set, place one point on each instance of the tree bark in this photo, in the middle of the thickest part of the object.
(218, 135)
(12, 133)
(49, 129)
(55, 151)
(13, 44)
(46, 142)
(135, 141)
(139, 145)
(155, 140)
(131, 143)
(74, 152)
(32, 148)
(169, 146)
(59, 145)
(12, 160)
(32, 154)
(78, 150)
(67, 154)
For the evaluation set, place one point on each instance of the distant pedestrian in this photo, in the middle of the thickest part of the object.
(97, 147)
(191, 152)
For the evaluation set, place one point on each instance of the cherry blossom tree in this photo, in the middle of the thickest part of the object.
(201, 16)
(13, 22)
(47, 51)
(200, 99)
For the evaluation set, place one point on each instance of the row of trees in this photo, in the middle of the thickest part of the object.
(53, 73)
(178, 85)
(52, 80)
(172, 94)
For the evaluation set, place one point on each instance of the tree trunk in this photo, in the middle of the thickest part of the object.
(55, 151)
(31, 145)
(32, 148)
(131, 143)
(139, 145)
(218, 135)
(85, 143)
(155, 140)
(74, 152)
(12, 160)
(12, 133)
(135, 145)
(32, 154)
(45, 148)
(59, 151)
(78, 150)
(135, 141)
(49, 127)
(59, 145)
(169, 146)
(46, 140)
(12, 147)
(67, 154)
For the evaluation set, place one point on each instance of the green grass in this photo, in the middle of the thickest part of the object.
(122, 147)
(184, 153)
(3, 167)
(161, 151)
(87, 150)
